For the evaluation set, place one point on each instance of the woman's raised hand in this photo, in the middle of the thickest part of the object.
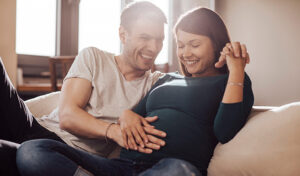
(239, 51)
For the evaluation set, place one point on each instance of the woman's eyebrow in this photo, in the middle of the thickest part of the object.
(194, 40)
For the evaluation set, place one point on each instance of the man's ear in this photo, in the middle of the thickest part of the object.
(122, 34)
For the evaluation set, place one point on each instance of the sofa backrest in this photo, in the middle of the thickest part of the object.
(45, 104)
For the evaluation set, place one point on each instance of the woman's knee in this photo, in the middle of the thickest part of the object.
(172, 166)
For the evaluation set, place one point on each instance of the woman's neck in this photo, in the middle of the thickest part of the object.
(211, 72)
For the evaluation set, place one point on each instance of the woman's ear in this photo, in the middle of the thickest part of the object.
(122, 34)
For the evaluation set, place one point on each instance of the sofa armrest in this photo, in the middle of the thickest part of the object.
(262, 108)
(258, 109)
(43, 105)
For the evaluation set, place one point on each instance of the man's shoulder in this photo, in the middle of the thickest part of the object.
(95, 51)
(95, 55)
(156, 75)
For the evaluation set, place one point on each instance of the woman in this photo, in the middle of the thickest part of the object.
(205, 106)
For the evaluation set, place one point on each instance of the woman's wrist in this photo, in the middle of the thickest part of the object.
(236, 76)
(236, 70)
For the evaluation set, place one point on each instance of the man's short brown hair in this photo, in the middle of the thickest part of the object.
(140, 9)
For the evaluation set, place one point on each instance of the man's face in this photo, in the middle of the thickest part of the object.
(142, 43)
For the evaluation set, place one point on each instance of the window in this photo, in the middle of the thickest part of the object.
(64, 27)
(36, 27)
(99, 24)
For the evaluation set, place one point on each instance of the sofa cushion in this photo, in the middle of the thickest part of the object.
(269, 144)
(43, 105)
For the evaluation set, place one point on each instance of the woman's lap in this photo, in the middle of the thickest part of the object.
(49, 157)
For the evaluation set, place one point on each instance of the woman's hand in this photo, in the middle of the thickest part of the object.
(239, 51)
(114, 133)
(236, 66)
(235, 62)
(137, 130)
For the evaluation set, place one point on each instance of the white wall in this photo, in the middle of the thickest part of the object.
(271, 31)
(8, 37)
(189, 4)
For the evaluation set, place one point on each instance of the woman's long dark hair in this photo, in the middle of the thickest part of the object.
(203, 21)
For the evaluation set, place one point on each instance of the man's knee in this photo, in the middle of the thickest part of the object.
(27, 151)
(30, 155)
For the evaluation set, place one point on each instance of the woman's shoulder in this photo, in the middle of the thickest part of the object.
(174, 75)
(168, 77)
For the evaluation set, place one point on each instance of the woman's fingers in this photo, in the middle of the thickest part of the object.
(137, 137)
(131, 141)
(155, 132)
(244, 50)
(236, 48)
(149, 147)
(247, 58)
(145, 150)
(150, 119)
(153, 146)
(142, 134)
(156, 140)
(239, 50)
(222, 60)
(226, 50)
(228, 45)
(147, 120)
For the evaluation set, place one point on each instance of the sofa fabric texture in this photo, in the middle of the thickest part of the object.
(269, 144)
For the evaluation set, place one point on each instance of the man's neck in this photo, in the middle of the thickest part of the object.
(127, 70)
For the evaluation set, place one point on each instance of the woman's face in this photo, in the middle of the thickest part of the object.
(196, 53)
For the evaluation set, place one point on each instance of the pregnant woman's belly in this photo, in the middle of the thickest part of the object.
(188, 137)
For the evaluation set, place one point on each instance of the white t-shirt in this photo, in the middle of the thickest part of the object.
(111, 94)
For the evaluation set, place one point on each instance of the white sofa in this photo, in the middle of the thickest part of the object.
(268, 145)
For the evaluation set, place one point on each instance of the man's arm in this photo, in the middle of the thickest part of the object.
(73, 118)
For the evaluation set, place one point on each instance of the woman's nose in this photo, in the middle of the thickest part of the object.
(187, 52)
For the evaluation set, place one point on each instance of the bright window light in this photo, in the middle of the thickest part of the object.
(162, 58)
(36, 27)
(99, 24)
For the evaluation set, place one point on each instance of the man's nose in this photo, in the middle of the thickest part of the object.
(154, 46)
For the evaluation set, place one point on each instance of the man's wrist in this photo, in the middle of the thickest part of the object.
(112, 131)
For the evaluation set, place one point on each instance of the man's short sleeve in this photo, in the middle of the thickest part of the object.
(83, 65)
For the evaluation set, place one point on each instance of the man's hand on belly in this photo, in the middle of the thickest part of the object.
(138, 134)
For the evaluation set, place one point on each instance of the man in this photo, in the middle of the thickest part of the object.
(100, 85)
